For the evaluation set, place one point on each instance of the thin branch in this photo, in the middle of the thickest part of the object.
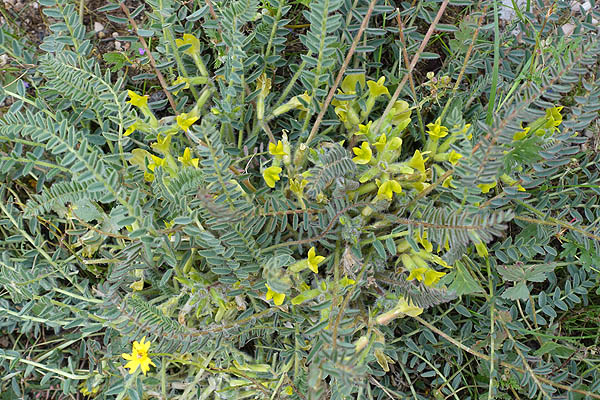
(412, 64)
(338, 79)
(161, 79)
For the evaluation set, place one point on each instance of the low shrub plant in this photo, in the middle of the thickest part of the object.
(319, 199)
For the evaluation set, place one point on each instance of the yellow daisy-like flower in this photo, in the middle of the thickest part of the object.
(271, 175)
(187, 158)
(132, 128)
(377, 89)
(189, 39)
(364, 129)
(363, 153)
(417, 162)
(486, 187)
(184, 121)
(278, 298)
(139, 357)
(137, 100)
(314, 260)
(429, 276)
(380, 143)
(437, 130)
(454, 157)
(388, 188)
(276, 149)
(179, 80)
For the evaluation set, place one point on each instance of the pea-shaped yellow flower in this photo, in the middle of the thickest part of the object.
(191, 40)
(179, 80)
(521, 134)
(486, 187)
(187, 158)
(278, 298)
(553, 118)
(184, 121)
(364, 129)
(132, 128)
(137, 100)
(139, 357)
(388, 188)
(271, 175)
(363, 153)
(276, 149)
(380, 143)
(377, 89)
(408, 308)
(417, 162)
(437, 130)
(314, 260)
(429, 276)
(453, 157)
(349, 83)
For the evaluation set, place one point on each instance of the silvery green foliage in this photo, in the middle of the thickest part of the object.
(79, 225)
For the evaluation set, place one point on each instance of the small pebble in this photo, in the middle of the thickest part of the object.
(117, 45)
(98, 27)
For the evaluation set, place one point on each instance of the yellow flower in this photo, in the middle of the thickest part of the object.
(388, 188)
(137, 100)
(345, 281)
(314, 260)
(437, 130)
(429, 276)
(377, 89)
(485, 187)
(184, 121)
(408, 308)
(448, 183)
(297, 186)
(422, 239)
(454, 157)
(132, 128)
(349, 83)
(521, 134)
(277, 297)
(271, 175)
(191, 40)
(138, 357)
(380, 143)
(276, 149)
(187, 158)
(156, 161)
(264, 84)
(417, 162)
(400, 114)
(465, 130)
(162, 144)
(179, 80)
(363, 154)
(481, 249)
(364, 129)
(553, 118)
